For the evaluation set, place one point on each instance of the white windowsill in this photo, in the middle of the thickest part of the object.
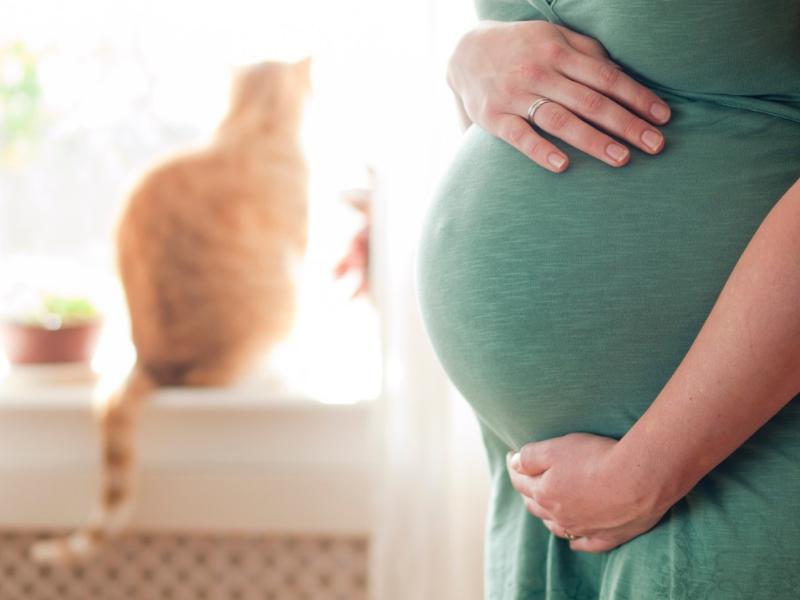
(257, 457)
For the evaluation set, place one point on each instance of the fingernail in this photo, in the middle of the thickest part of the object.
(652, 139)
(515, 462)
(556, 160)
(618, 153)
(660, 112)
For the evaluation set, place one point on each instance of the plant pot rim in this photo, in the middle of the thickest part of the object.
(20, 325)
(26, 344)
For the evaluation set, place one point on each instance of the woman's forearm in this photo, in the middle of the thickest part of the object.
(743, 367)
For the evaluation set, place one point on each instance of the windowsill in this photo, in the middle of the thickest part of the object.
(77, 386)
(256, 456)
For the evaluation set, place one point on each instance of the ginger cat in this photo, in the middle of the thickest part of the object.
(207, 245)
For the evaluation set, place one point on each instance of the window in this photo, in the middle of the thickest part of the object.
(92, 92)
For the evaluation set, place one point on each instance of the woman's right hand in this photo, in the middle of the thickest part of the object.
(498, 70)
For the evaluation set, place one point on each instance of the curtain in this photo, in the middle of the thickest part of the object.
(432, 484)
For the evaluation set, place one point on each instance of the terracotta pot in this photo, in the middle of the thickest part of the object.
(26, 345)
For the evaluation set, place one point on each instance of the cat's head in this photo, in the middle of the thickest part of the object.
(269, 97)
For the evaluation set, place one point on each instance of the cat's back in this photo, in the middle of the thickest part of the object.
(205, 235)
(251, 177)
(209, 242)
(215, 194)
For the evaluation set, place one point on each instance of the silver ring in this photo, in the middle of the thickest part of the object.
(534, 107)
(570, 536)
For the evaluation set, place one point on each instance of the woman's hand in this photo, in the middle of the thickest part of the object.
(357, 257)
(739, 372)
(498, 70)
(578, 486)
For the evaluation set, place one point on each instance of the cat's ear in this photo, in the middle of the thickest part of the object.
(304, 68)
(234, 72)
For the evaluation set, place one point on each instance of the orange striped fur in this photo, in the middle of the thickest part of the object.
(208, 244)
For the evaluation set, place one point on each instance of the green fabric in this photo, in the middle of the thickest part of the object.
(563, 302)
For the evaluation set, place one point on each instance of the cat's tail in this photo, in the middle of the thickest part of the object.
(118, 426)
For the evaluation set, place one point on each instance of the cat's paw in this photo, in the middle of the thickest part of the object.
(74, 548)
(49, 551)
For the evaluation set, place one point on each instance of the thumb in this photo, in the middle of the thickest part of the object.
(532, 459)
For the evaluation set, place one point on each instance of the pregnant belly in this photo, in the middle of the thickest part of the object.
(564, 302)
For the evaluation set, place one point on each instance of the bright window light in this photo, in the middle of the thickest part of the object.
(112, 87)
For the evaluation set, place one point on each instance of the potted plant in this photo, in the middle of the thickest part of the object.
(61, 329)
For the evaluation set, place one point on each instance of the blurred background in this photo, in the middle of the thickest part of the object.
(92, 93)
(347, 467)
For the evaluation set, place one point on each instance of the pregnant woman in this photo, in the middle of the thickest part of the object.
(625, 321)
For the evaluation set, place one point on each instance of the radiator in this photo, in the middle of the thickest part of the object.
(177, 566)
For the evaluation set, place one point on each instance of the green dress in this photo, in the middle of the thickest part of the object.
(564, 302)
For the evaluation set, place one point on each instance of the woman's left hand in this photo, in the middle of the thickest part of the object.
(581, 485)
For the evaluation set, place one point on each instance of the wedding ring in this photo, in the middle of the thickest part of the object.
(571, 537)
(534, 107)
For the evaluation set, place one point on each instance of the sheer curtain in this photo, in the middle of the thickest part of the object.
(432, 481)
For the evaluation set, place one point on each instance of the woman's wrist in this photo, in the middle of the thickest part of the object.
(656, 477)
(461, 55)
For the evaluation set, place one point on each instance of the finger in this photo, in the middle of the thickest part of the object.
(516, 131)
(537, 511)
(559, 531)
(351, 261)
(523, 483)
(362, 289)
(526, 472)
(341, 268)
(615, 84)
(591, 544)
(362, 238)
(534, 458)
(360, 204)
(528, 488)
(613, 118)
(552, 527)
(556, 120)
(587, 45)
